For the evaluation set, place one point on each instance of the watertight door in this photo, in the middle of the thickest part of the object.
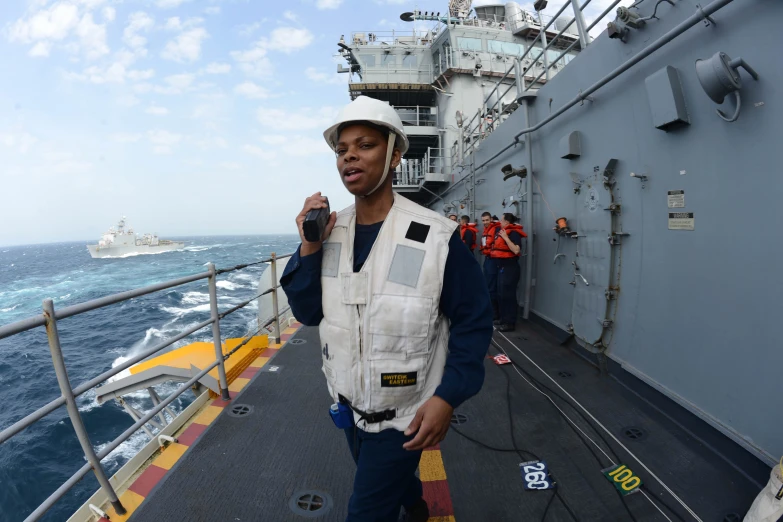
(593, 261)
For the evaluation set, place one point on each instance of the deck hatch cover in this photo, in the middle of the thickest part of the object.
(634, 433)
(240, 410)
(297, 341)
(310, 503)
(458, 419)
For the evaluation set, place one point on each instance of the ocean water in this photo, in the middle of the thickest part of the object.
(35, 462)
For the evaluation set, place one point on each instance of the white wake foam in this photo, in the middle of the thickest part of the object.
(9, 309)
(227, 285)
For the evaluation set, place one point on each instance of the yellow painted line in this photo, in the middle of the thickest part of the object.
(441, 519)
(431, 466)
(259, 362)
(209, 414)
(238, 384)
(130, 500)
(170, 455)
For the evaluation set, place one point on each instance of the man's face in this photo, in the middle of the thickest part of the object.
(464, 221)
(485, 220)
(453, 217)
(503, 222)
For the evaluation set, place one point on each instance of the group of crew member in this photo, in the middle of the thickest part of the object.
(501, 244)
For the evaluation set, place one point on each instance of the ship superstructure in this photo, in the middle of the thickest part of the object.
(438, 78)
(122, 241)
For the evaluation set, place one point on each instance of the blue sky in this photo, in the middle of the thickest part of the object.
(188, 116)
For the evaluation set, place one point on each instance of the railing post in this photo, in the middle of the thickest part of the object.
(73, 409)
(213, 306)
(273, 268)
(581, 26)
(519, 77)
(543, 45)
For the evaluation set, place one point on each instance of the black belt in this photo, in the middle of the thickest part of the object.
(370, 418)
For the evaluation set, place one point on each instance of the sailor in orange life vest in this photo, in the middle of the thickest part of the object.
(403, 315)
(468, 232)
(505, 251)
(490, 266)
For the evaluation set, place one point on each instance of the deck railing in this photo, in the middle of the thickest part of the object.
(50, 318)
(493, 110)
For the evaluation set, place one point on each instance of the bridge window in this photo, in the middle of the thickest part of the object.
(469, 44)
(409, 60)
(507, 48)
(367, 59)
(388, 59)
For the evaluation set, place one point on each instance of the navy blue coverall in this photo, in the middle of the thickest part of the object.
(508, 278)
(385, 474)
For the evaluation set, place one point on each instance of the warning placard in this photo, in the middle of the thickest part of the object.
(681, 221)
(676, 198)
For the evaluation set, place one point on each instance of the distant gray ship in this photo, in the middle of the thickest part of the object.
(120, 242)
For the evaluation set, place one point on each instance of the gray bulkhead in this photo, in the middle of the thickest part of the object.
(697, 312)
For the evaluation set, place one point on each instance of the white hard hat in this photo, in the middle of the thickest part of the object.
(371, 110)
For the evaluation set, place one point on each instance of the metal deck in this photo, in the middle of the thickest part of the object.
(248, 468)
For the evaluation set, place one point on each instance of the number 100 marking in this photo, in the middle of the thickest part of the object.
(625, 478)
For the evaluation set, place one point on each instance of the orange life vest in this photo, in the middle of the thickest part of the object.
(472, 228)
(500, 249)
(488, 237)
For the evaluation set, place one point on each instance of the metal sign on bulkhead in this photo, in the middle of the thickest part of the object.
(676, 198)
(681, 221)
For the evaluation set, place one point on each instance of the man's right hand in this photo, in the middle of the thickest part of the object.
(313, 202)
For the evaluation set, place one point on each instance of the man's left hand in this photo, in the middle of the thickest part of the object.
(432, 421)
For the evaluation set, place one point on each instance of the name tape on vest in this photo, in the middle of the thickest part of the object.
(394, 380)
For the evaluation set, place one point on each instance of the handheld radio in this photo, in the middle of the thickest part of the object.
(315, 223)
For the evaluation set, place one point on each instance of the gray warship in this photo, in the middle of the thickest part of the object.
(122, 242)
(644, 373)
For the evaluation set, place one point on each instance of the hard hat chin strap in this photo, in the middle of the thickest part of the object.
(389, 153)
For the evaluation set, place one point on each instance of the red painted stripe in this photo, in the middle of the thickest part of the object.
(190, 435)
(147, 480)
(285, 337)
(249, 373)
(220, 403)
(269, 352)
(438, 498)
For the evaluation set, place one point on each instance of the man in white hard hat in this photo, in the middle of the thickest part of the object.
(405, 319)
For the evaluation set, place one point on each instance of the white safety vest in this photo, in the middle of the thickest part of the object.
(383, 337)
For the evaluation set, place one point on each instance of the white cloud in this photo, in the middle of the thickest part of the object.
(290, 15)
(328, 4)
(231, 165)
(315, 75)
(289, 39)
(156, 110)
(137, 22)
(302, 119)
(297, 145)
(218, 68)
(259, 152)
(251, 90)
(125, 137)
(137, 75)
(41, 49)
(254, 61)
(109, 14)
(54, 23)
(180, 82)
(92, 37)
(163, 140)
(168, 4)
(212, 10)
(186, 47)
(128, 100)
(249, 29)
(173, 24)
(21, 142)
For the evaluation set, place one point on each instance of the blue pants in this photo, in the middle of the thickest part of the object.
(385, 475)
(491, 277)
(508, 279)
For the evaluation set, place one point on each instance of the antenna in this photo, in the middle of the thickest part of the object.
(459, 8)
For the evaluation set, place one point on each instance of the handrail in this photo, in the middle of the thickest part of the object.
(69, 394)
